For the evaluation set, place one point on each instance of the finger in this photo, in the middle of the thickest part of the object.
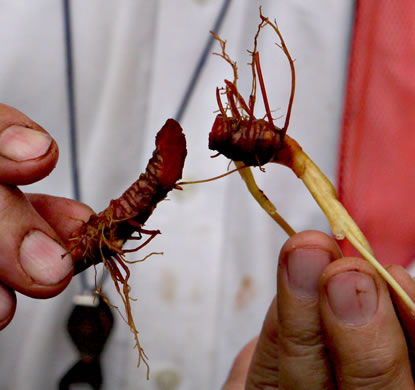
(27, 152)
(292, 336)
(300, 335)
(239, 371)
(32, 257)
(65, 216)
(7, 305)
(365, 340)
(407, 318)
(263, 371)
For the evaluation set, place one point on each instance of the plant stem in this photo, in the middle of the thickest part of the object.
(261, 198)
(324, 193)
(341, 223)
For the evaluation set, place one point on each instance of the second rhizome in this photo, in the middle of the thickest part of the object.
(249, 141)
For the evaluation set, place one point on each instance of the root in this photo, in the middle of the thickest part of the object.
(120, 275)
(214, 178)
(143, 259)
(99, 242)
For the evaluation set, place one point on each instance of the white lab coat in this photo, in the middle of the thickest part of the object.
(201, 301)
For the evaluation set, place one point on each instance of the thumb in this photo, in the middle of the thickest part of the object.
(27, 152)
(239, 371)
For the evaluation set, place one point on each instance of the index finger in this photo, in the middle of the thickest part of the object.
(406, 317)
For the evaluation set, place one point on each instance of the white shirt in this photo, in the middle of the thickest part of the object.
(201, 301)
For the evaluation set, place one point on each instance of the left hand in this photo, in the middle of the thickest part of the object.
(34, 228)
(333, 325)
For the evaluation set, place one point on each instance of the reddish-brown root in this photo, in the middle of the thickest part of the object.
(102, 237)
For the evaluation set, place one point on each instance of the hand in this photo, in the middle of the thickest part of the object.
(333, 325)
(33, 228)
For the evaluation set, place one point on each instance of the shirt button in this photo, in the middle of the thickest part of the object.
(167, 379)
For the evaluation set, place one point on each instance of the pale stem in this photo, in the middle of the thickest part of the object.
(261, 198)
(341, 222)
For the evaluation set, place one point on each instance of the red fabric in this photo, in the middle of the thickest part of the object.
(377, 157)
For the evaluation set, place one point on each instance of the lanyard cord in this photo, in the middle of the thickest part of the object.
(70, 87)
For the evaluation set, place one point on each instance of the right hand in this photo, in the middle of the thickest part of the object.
(333, 325)
(33, 227)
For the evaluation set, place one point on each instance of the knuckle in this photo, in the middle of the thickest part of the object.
(296, 338)
(378, 368)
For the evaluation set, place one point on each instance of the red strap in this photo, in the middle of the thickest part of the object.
(377, 157)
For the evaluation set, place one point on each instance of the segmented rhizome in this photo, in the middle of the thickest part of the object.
(241, 136)
(254, 142)
(102, 237)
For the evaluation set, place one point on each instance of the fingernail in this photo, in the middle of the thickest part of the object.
(7, 303)
(304, 269)
(20, 143)
(42, 258)
(352, 297)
